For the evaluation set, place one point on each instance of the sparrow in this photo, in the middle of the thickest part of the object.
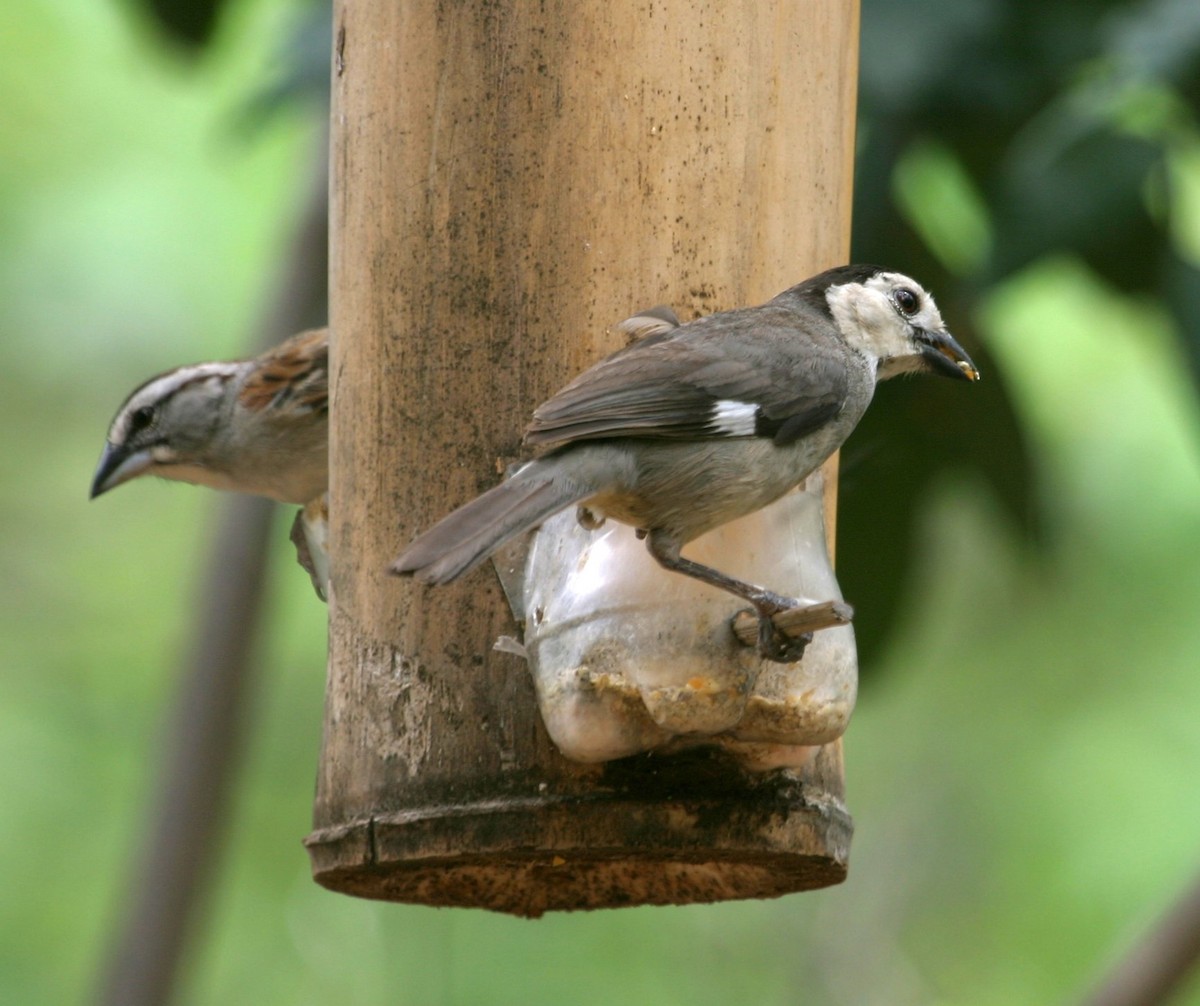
(258, 426)
(698, 424)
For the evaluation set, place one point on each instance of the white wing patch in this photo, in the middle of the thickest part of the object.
(734, 419)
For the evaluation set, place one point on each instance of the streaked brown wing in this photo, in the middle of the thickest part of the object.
(296, 370)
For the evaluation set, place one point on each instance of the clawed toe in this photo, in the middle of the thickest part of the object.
(768, 603)
(775, 645)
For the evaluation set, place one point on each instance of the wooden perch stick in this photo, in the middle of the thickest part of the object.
(795, 621)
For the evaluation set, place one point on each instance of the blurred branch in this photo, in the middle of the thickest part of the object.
(1157, 965)
(206, 731)
(203, 741)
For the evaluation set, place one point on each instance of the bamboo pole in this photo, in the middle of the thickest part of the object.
(508, 181)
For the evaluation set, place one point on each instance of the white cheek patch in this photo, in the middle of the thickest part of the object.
(734, 419)
(930, 318)
(869, 321)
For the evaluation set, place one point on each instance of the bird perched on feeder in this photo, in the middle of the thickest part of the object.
(699, 424)
(258, 426)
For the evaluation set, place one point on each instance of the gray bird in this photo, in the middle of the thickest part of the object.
(696, 425)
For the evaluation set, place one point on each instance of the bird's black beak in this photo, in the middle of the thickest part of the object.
(117, 464)
(110, 461)
(945, 356)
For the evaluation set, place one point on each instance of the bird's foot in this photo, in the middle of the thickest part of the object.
(776, 645)
(768, 603)
(781, 628)
(773, 643)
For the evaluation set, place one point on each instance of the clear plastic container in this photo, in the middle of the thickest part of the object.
(627, 657)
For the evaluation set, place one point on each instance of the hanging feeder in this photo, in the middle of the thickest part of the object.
(506, 184)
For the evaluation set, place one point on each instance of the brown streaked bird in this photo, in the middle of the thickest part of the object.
(698, 424)
(256, 426)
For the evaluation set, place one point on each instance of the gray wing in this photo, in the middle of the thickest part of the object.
(766, 371)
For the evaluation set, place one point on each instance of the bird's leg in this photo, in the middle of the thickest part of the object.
(772, 643)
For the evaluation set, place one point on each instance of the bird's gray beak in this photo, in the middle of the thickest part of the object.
(945, 356)
(118, 465)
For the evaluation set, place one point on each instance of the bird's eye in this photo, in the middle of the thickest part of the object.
(907, 301)
(139, 419)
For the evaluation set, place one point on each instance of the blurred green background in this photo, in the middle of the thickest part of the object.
(1023, 766)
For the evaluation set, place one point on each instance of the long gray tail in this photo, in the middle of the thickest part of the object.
(463, 539)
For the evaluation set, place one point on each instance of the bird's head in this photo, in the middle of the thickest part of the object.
(170, 427)
(892, 319)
